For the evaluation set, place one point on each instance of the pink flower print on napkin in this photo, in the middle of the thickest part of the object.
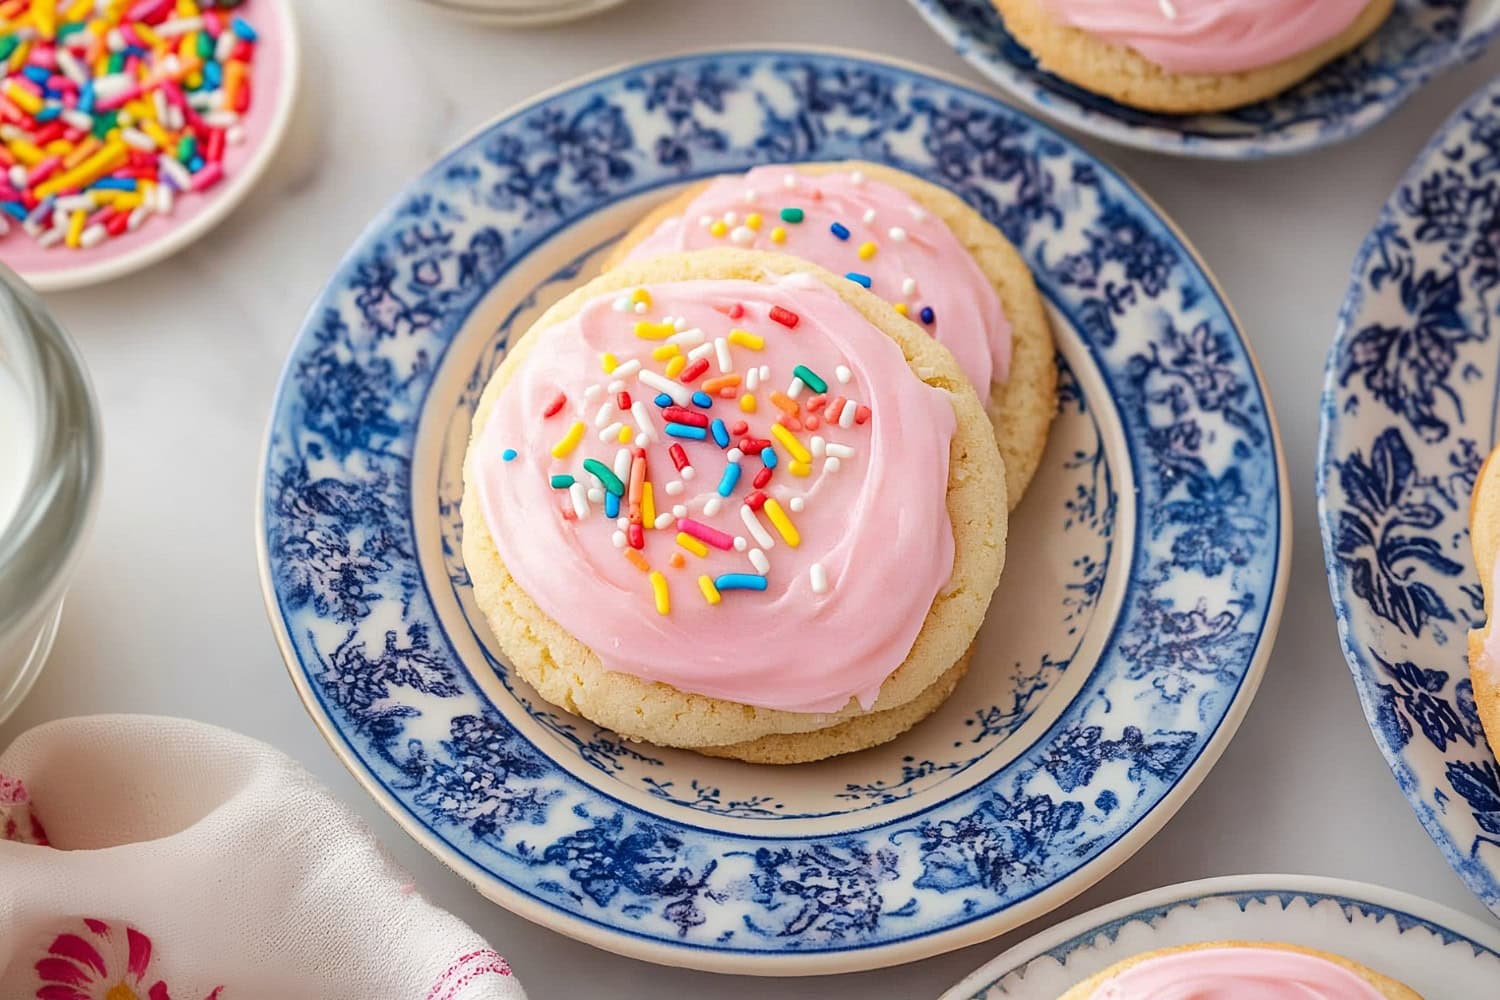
(457, 977)
(18, 823)
(102, 962)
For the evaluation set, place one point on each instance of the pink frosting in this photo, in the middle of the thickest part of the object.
(1237, 974)
(876, 516)
(918, 261)
(1492, 641)
(1212, 36)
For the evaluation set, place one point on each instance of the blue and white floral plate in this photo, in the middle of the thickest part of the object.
(1422, 39)
(1409, 409)
(1146, 577)
(1434, 950)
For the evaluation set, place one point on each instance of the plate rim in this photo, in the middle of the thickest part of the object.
(1397, 901)
(1165, 141)
(1328, 421)
(236, 188)
(833, 961)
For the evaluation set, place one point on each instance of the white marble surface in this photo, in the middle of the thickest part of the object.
(166, 616)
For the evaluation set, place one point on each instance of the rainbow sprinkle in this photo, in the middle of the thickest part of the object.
(112, 109)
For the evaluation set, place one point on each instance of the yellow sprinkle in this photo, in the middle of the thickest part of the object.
(659, 588)
(710, 592)
(782, 523)
(148, 36)
(157, 134)
(75, 228)
(901, 308)
(648, 506)
(790, 443)
(78, 10)
(665, 351)
(19, 57)
(44, 16)
(718, 228)
(58, 147)
(778, 235)
(625, 435)
(654, 331)
(642, 297)
(194, 80)
(799, 469)
(608, 362)
(747, 403)
(744, 338)
(692, 544)
(569, 441)
(111, 157)
(866, 251)
(676, 365)
(752, 221)
(23, 97)
(27, 152)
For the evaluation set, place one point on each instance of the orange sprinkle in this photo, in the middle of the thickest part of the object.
(637, 560)
(721, 382)
(784, 403)
(815, 403)
(677, 560)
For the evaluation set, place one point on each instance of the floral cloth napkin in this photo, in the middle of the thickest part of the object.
(157, 859)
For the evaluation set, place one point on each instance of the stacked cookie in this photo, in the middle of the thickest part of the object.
(1239, 969)
(739, 494)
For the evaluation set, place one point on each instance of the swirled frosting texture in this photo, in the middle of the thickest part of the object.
(875, 516)
(1212, 36)
(917, 262)
(1237, 974)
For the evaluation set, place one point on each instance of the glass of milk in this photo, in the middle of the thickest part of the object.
(49, 473)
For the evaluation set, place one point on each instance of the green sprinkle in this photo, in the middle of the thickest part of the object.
(105, 123)
(64, 30)
(8, 45)
(116, 62)
(792, 215)
(809, 379)
(205, 46)
(605, 475)
(561, 482)
(187, 148)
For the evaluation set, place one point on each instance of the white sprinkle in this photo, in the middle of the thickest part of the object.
(642, 420)
(1168, 9)
(789, 181)
(178, 26)
(840, 451)
(687, 338)
(639, 309)
(175, 171)
(740, 544)
(818, 445)
(869, 216)
(19, 177)
(679, 512)
(756, 529)
(618, 537)
(726, 360)
(664, 521)
(593, 392)
(51, 237)
(678, 323)
(760, 562)
(621, 304)
(644, 439)
(795, 389)
(680, 393)
(705, 221)
(796, 503)
(857, 177)
(752, 379)
(221, 119)
(734, 455)
(76, 203)
(831, 465)
(618, 385)
(688, 472)
(77, 118)
(625, 369)
(674, 487)
(701, 351)
(166, 198)
(909, 287)
(606, 413)
(917, 212)
(138, 217)
(579, 495)
(622, 522)
(731, 218)
(742, 236)
(712, 507)
(749, 196)
(897, 234)
(596, 494)
(71, 67)
(846, 418)
(92, 236)
(765, 373)
(622, 465)
(611, 433)
(227, 41)
(843, 374)
(819, 578)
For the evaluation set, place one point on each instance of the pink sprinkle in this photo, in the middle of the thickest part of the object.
(208, 177)
(706, 534)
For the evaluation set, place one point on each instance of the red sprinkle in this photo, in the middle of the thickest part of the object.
(554, 406)
(738, 427)
(679, 457)
(694, 370)
(637, 536)
(754, 446)
(862, 415)
(791, 423)
(682, 415)
(815, 403)
(785, 317)
(761, 478)
(736, 311)
(811, 422)
(756, 500)
(622, 400)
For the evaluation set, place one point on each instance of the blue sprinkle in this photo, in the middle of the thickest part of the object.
(119, 184)
(50, 113)
(213, 75)
(859, 279)
(86, 98)
(242, 28)
(195, 164)
(842, 232)
(687, 431)
(928, 315)
(14, 209)
(730, 479)
(663, 400)
(703, 400)
(721, 433)
(509, 454)
(611, 505)
(37, 75)
(768, 457)
(740, 581)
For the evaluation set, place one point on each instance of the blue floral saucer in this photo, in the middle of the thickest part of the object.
(1409, 408)
(1147, 566)
(1422, 39)
(1434, 950)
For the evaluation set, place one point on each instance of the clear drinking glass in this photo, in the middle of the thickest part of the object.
(49, 477)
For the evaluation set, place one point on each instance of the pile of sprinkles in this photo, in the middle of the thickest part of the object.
(111, 109)
(744, 230)
(700, 394)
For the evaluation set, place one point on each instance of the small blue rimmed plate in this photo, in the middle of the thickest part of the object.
(1409, 409)
(1434, 950)
(1421, 39)
(1148, 562)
